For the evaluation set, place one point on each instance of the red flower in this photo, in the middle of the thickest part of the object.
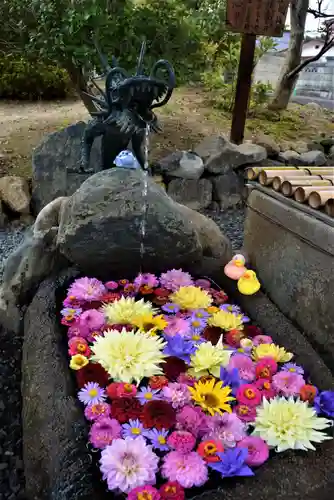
(266, 388)
(308, 393)
(161, 292)
(212, 334)
(209, 449)
(249, 395)
(219, 297)
(145, 290)
(171, 491)
(252, 331)
(233, 337)
(113, 390)
(125, 408)
(174, 367)
(93, 372)
(158, 382)
(158, 414)
(109, 297)
(266, 368)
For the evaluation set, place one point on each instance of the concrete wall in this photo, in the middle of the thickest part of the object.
(269, 68)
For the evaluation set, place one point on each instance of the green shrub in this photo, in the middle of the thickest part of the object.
(24, 79)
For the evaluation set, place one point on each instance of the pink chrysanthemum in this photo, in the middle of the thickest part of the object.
(266, 368)
(99, 410)
(177, 326)
(104, 431)
(92, 319)
(87, 289)
(182, 441)
(288, 383)
(245, 366)
(193, 420)
(258, 450)
(266, 387)
(177, 394)
(175, 278)
(187, 469)
(128, 463)
(146, 492)
(226, 428)
(92, 394)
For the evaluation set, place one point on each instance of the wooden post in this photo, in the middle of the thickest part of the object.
(243, 88)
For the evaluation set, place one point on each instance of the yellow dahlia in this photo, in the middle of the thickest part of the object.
(129, 356)
(226, 320)
(279, 354)
(191, 297)
(212, 396)
(149, 323)
(125, 310)
(288, 424)
(208, 359)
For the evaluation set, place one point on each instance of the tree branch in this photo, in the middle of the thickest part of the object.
(327, 45)
(319, 13)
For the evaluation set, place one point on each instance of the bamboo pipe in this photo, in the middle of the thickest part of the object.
(252, 173)
(317, 200)
(266, 177)
(321, 170)
(303, 192)
(278, 181)
(329, 207)
(289, 187)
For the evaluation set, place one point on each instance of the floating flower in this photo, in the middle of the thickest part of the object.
(158, 439)
(133, 429)
(177, 326)
(92, 394)
(179, 347)
(230, 378)
(208, 450)
(187, 469)
(77, 330)
(177, 394)
(200, 314)
(288, 424)
(78, 345)
(262, 339)
(266, 368)
(185, 378)
(109, 297)
(288, 383)
(245, 413)
(308, 393)
(279, 354)
(124, 409)
(212, 396)
(227, 429)
(149, 323)
(104, 431)
(191, 297)
(244, 365)
(232, 463)
(234, 337)
(146, 394)
(193, 420)
(126, 310)
(128, 463)
(128, 356)
(226, 320)
(146, 279)
(70, 315)
(173, 367)
(231, 308)
(92, 372)
(175, 279)
(158, 414)
(249, 394)
(126, 390)
(78, 361)
(113, 390)
(208, 359)
(324, 403)
(219, 296)
(158, 382)
(203, 283)
(293, 368)
(92, 319)
(160, 296)
(182, 441)
(266, 387)
(258, 450)
(96, 411)
(111, 285)
(87, 289)
(146, 492)
(252, 331)
(197, 325)
(172, 490)
(170, 308)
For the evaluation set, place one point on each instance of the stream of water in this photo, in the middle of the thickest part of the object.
(144, 193)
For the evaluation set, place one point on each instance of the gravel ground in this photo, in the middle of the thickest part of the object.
(11, 466)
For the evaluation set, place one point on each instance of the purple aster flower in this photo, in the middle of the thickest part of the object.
(200, 314)
(158, 439)
(227, 428)
(170, 308)
(197, 325)
(87, 289)
(232, 463)
(324, 403)
(133, 429)
(146, 279)
(174, 279)
(230, 378)
(196, 338)
(231, 308)
(293, 368)
(245, 319)
(72, 313)
(147, 394)
(92, 394)
(179, 347)
(177, 394)
(177, 326)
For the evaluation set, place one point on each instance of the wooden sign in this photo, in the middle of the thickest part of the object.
(257, 17)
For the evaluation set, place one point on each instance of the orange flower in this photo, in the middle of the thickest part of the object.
(209, 449)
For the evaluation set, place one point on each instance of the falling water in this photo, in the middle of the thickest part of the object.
(144, 193)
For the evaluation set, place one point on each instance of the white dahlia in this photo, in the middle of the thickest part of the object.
(126, 310)
(129, 356)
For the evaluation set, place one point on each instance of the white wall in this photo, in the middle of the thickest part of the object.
(312, 48)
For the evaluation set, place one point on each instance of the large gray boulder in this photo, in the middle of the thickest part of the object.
(101, 224)
(195, 194)
(228, 189)
(183, 164)
(55, 165)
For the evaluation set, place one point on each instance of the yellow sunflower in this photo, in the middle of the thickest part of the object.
(212, 396)
(149, 323)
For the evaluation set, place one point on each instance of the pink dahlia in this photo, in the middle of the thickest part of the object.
(188, 469)
(177, 326)
(92, 319)
(177, 394)
(182, 441)
(87, 289)
(245, 366)
(146, 492)
(227, 428)
(104, 431)
(193, 420)
(174, 279)
(262, 339)
(249, 394)
(258, 450)
(288, 383)
(77, 330)
(128, 463)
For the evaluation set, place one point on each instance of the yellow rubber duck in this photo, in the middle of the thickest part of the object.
(248, 284)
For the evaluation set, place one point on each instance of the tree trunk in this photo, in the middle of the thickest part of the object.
(286, 84)
(80, 84)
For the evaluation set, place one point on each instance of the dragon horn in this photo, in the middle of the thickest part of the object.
(141, 58)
